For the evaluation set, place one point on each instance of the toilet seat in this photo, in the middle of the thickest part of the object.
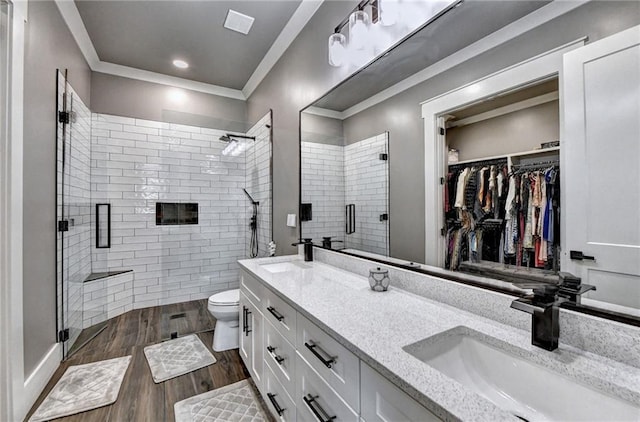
(226, 298)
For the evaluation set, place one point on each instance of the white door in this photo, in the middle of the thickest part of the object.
(601, 166)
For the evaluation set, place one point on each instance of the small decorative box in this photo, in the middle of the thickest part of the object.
(379, 279)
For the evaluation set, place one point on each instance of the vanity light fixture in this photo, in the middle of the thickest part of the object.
(373, 29)
(180, 64)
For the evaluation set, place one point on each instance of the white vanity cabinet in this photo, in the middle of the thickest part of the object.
(304, 374)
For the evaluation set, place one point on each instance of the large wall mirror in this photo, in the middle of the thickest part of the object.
(468, 183)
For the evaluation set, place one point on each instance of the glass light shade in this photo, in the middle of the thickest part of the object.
(358, 30)
(381, 37)
(337, 49)
(389, 11)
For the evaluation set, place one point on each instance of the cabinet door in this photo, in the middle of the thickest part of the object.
(382, 401)
(601, 166)
(251, 339)
(245, 337)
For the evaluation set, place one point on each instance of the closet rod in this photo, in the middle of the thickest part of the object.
(495, 161)
(535, 166)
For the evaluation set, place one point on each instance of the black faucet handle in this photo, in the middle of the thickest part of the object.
(569, 280)
(304, 241)
(545, 293)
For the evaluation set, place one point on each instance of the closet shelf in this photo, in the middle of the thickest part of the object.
(532, 152)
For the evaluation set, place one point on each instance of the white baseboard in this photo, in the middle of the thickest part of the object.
(37, 380)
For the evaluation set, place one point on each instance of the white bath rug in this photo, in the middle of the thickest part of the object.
(236, 402)
(82, 388)
(177, 357)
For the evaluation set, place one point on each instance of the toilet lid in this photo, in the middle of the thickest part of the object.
(228, 297)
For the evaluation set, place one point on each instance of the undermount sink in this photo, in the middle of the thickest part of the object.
(529, 391)
(281, 267)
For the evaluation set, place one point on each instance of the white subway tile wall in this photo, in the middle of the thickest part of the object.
(367, 186)
(75, 265)
(324, 187)
(258, 182)
(136, 163)
(334, 176)
(107, 298)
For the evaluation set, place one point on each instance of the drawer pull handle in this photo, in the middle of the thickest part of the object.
(275, 313)
(317, 410)
(279, 359)
(325, 362)
(245, 321)
(272, 398)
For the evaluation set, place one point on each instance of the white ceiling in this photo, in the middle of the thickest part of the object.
(140, 39)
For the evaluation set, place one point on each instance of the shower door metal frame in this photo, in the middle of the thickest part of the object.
(62, 331)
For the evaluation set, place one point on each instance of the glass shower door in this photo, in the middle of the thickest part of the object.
(73, 217)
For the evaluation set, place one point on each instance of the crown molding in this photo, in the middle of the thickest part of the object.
(324, 112)
(296, 23)
(160, 78)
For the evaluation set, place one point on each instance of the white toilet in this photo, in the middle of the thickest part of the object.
(224, 307)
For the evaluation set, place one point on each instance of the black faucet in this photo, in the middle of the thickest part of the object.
(308, 249)
(544, 308)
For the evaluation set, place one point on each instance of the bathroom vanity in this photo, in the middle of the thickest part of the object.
(321, 345)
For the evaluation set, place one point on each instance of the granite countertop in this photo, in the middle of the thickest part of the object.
(376, 326)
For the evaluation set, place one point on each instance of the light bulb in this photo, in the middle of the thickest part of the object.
(337, 49)
(389, 11)
(358, 30)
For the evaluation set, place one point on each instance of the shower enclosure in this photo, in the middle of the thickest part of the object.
(154, 214)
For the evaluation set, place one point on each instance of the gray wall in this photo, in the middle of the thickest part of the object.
(146, 100)
(522, 130)
(300, 76)
(49, 45)
(321, 130)
(401, 115)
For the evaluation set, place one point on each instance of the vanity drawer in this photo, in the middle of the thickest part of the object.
(336, 365)
(280, 314)
(382, 401)
(252, 288)
(280, 355)
(279, 402)
(316, 401)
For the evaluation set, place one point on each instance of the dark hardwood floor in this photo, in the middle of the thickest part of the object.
(140, 399)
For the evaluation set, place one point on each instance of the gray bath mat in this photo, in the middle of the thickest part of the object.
(177, 357)
(235, 402)
(82, 388)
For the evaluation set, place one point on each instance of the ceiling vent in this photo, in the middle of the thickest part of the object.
(238, 22)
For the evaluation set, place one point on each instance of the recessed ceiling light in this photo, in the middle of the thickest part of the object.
(238, 22)
(180, 64)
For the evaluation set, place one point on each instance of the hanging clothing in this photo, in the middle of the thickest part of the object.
(459, 203)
